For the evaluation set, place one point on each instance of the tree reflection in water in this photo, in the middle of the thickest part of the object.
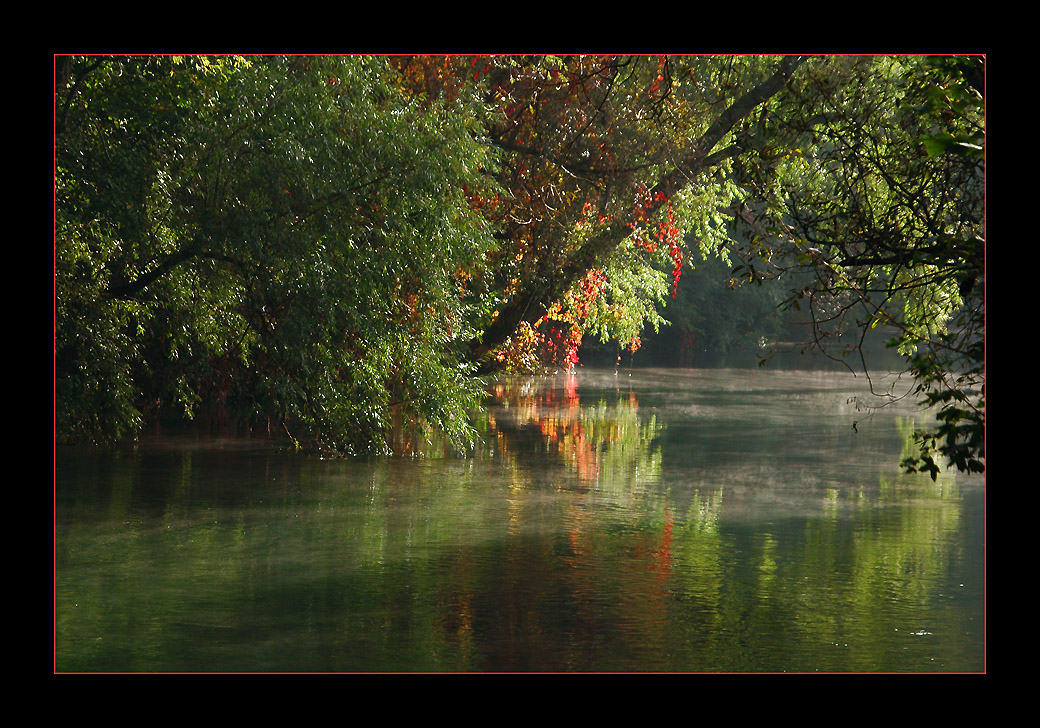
(603, 441)
(699, 521)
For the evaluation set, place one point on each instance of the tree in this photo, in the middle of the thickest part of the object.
(606, 160)
(268, 238)
(712, 321)
(329, 241)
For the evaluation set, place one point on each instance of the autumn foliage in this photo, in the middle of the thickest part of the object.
(578, 144)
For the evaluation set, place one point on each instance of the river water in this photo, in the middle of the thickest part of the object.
(643, 520)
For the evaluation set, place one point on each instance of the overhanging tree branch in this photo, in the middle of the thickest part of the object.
(535, 296)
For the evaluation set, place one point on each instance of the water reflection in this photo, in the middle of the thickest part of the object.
(603, 441)
(669, 521)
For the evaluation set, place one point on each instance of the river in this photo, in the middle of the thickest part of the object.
(632, 521)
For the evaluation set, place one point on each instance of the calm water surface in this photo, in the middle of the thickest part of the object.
(653, 520)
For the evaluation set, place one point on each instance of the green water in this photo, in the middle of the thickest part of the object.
(694, 521)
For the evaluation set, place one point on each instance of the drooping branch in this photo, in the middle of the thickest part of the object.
(537, 295)
(704, 156)
(129, 290)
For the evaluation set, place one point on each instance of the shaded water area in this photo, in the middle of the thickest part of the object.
(652, 520)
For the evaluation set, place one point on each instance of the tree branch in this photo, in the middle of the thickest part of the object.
(537, 295)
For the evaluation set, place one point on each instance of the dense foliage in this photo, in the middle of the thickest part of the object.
(276, 239)
(330, 245)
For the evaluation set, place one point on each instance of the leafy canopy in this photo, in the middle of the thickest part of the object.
(332, 245)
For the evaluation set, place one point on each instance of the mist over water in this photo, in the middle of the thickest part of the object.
(638, 520)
